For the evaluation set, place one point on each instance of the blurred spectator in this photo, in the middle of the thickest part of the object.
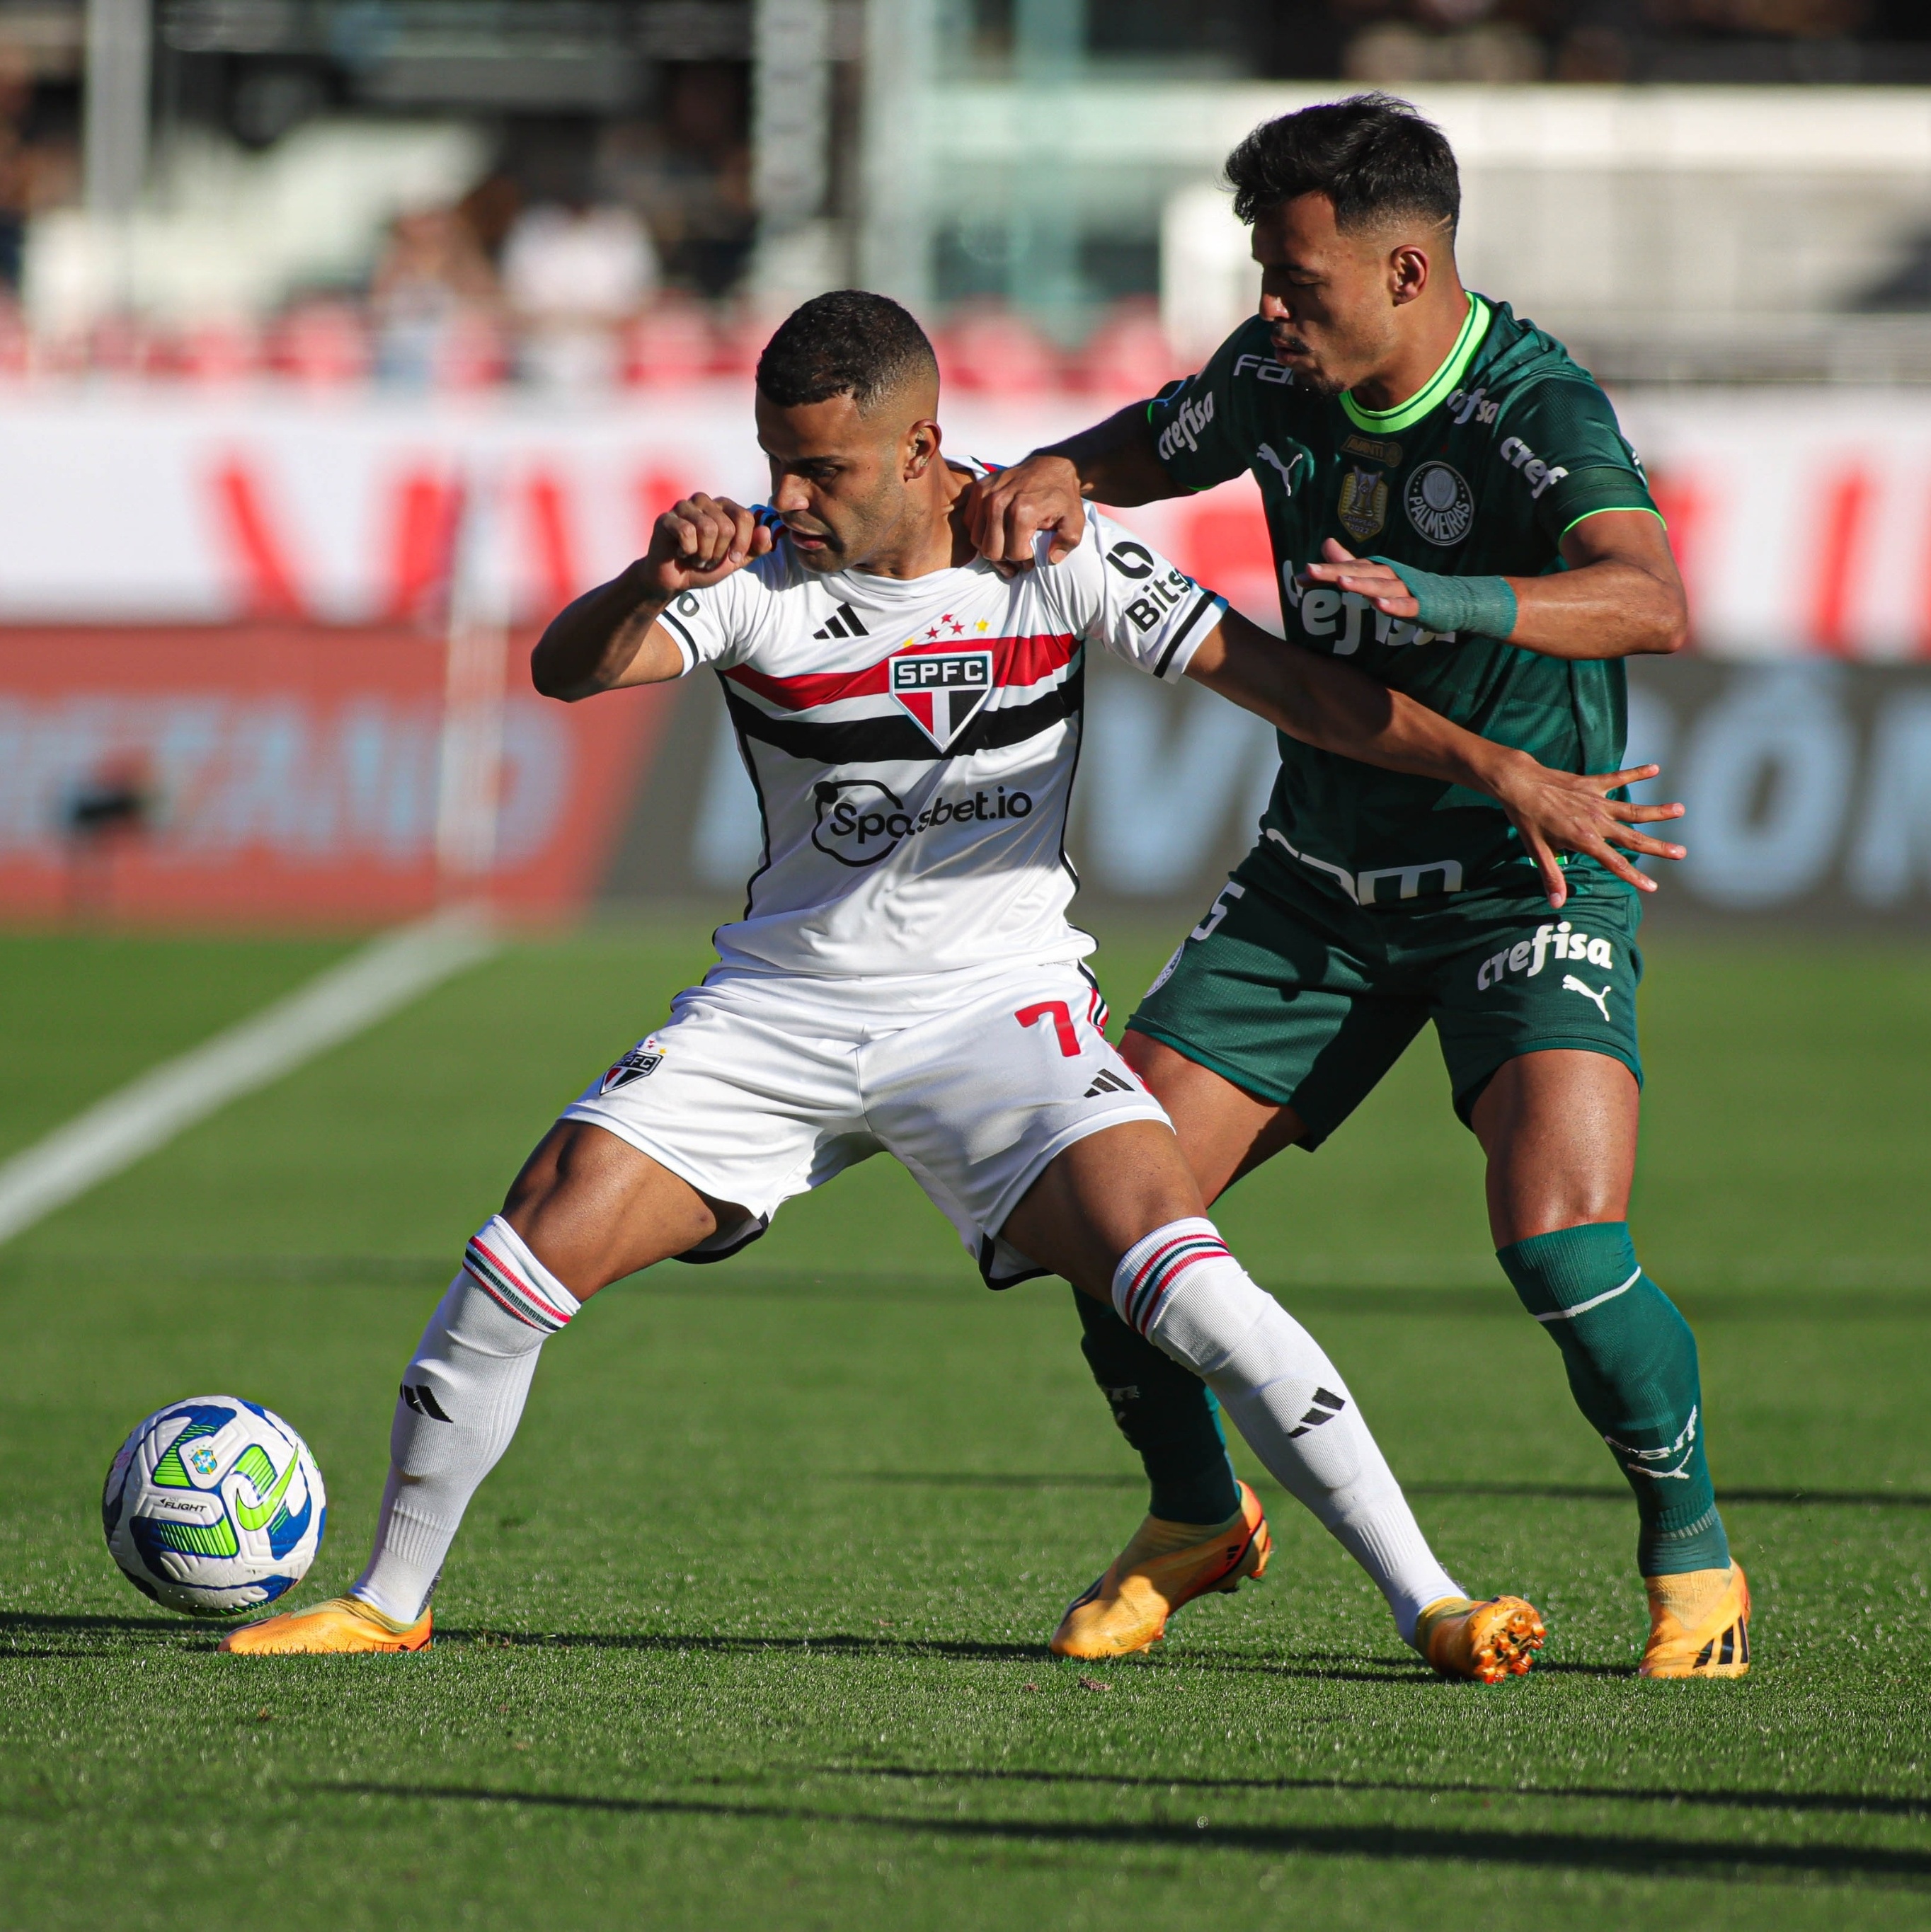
(432, 295)
(571, 276)
(995, 351)
(689, 172)
(16, 196)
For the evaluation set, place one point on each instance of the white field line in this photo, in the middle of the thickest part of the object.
(147, 1113)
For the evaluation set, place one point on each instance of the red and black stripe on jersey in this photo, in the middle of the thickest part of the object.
(893, 737)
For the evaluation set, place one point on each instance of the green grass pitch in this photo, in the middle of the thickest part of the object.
(748, 1628)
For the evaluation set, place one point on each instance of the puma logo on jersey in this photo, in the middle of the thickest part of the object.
(1571, 984)
(844, 624)
(1107, 1081)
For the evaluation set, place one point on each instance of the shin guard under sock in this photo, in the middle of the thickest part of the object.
(462, 1395)
(1632, 1364)
(1166, 1414)
(1182, 1290)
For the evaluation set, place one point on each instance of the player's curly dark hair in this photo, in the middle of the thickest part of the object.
(850, 342)
(1373, 156)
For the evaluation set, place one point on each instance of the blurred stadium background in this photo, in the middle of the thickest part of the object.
(341, 341)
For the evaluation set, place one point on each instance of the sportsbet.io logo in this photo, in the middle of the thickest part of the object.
(861, 822)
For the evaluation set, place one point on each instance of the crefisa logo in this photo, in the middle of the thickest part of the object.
(860, 821)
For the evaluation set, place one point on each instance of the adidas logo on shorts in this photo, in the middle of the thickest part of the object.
(1107, 1081)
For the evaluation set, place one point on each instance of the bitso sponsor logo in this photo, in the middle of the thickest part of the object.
(1184, 431)
(1440, 503)
(639, 1063)
(1529, 956)
(943, 691)
(861, 822)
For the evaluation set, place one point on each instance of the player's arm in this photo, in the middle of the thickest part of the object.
(616, 635)
(1113, 462)
(1621, 595)
(1331, 705)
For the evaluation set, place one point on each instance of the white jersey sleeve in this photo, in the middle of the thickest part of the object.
(725, 623)
(1118, 591)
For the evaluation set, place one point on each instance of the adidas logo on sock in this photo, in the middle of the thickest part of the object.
(1107, 1081)
(1326, 1408)
(422, 1399)
(845, 624)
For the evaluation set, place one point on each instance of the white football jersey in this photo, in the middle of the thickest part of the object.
(912, 742)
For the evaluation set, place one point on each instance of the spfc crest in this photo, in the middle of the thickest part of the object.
(944, 691)
(1363, 507)
(639, 1063)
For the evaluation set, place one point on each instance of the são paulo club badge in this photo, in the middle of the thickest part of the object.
(639, 1063)
(944, 691)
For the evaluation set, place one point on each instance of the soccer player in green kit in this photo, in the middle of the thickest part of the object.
(1452, 506)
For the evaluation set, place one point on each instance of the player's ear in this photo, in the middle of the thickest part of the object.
(1407, 272)
(920, 447)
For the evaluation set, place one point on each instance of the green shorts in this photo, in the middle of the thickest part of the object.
(1306, 1000)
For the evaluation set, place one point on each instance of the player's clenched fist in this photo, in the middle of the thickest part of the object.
(612, 636)
(1005, 512)
(700, 539)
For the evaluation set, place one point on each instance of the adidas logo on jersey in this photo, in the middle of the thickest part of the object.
(1107, 1081)
(844, 623)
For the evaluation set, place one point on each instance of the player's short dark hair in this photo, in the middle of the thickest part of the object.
(1373, 156)
(849, 343)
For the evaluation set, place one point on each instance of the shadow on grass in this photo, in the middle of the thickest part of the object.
(1871, 1804)
(1650, 1856)
(1583, 1492)
(1321, 1666)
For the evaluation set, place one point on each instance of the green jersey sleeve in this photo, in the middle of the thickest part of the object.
(1562, 440)
(1202, 428)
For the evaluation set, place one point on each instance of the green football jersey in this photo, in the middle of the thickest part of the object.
(1509, 446)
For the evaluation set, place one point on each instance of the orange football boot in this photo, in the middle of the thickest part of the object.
(1165, 1565)
(1699, 1625)
(342, 1623)
(1496, 1638)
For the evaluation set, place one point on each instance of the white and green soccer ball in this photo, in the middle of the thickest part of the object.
(214, 1507)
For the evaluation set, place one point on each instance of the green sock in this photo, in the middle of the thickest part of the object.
(1169, 1415)
(1631, 1363)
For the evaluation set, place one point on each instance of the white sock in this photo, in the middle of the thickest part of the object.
(1183, 1290)
(462, 1395)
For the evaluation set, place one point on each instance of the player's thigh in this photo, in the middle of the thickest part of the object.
(1559, 1128)
(1095, 1199)
(739, 1098)
(1277, 1021)
(593, 1209)
(978, 1103)
(1536, 1015)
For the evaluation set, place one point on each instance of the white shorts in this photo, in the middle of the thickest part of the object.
(761, 1087)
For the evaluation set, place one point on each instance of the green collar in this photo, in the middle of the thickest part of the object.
(1387, 422)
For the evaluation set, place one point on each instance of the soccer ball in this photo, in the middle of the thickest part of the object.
(214, 1506)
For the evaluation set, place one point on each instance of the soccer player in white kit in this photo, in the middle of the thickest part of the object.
(904, 979)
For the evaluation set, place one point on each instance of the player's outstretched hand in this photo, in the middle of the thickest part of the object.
(1005, 513)
(1568, 811)
(1341, 567)
(701, 540)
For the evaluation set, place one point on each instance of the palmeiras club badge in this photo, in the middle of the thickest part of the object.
(944, 691)
(1363, 506)
(639, 1063)
(1440, 503)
